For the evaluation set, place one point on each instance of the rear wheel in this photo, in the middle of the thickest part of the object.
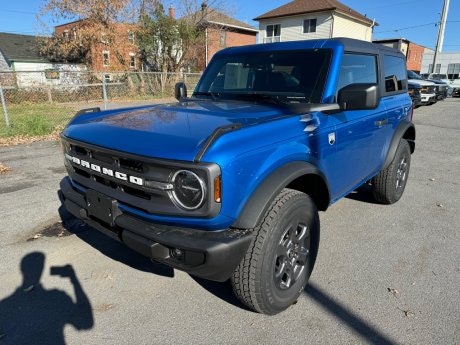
(280, 259)
(388, 186)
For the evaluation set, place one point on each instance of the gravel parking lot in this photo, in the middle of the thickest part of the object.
(384, 274)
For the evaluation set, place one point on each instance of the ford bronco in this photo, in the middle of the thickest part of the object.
(227, 183)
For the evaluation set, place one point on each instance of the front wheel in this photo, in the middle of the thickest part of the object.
(388, 186)
(280, 259)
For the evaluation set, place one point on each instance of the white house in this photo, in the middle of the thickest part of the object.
(312, 19)
(22, 66)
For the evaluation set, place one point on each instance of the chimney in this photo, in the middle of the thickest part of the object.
(172, 12)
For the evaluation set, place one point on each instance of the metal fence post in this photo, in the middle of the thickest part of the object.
(104, 91)
(5, 111)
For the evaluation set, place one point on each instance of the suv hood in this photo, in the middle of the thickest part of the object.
(421, 82)
(171, 131)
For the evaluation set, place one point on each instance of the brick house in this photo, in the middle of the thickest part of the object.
(313, 19)
(413, 52)
(122, 54)
(221, 31)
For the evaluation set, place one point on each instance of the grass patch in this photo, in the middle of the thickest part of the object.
(35, 119)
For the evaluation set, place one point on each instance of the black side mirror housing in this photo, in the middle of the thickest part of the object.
(358, 97)
(180, 91)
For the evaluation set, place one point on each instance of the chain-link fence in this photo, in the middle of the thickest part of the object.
(39, 102)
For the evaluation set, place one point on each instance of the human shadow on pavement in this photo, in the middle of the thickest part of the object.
(367, 332)
(111, 248)
(35, 315)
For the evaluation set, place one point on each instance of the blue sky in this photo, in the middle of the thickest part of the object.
(410, 19)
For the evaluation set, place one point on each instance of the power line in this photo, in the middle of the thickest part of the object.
(408, 28)
(416, 26)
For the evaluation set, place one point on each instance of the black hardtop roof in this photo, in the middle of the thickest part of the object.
(349, 45)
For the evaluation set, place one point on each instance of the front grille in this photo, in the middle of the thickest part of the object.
(139, 182)
(127, 166)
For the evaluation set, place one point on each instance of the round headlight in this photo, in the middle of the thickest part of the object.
(189, 190)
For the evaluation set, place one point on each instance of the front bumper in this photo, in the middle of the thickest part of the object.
(428, 98)
(213, 255)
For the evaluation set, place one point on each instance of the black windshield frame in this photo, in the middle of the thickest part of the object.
(290, 76)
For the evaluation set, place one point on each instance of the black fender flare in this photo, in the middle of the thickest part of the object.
(401, 130)
(255, 208)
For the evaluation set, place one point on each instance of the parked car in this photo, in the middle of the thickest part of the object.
(443, 90)
(452, 81)
(415, 94)
(428, 88)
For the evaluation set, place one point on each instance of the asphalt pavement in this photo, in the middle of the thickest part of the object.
(384, 274)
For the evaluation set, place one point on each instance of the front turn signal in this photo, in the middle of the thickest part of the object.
(218, 189)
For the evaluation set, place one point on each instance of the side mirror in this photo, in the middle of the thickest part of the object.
(358, 97)
(180, 91)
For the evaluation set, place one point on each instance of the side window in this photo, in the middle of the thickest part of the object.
(357, 68)
(395, 73)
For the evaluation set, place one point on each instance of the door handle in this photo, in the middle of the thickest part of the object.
(380, 123)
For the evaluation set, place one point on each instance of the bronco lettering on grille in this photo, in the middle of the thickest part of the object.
(105, 171)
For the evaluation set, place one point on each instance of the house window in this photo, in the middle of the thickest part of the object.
(131, 37)
(132, 60)
(309, 26)
(438, 68)
(104, 38)
(273, 33)
(105, 58)
(65, 34)
(453, 71)
(223, 38)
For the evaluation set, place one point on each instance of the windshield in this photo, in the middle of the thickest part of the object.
(284, 76)
(413, 75)
(438, 76)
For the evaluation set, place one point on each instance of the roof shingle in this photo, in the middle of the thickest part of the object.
(16, 47)
(298, 7)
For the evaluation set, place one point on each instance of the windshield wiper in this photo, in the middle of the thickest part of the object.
(213, 95)
(262, 97)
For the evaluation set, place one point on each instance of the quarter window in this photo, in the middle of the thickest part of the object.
(309, 26)
(357, 68)
(395, 73)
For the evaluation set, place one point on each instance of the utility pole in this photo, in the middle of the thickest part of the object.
(440, 41)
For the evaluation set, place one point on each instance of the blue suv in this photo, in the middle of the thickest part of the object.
(227, 183)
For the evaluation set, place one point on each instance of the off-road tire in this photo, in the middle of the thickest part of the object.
(282, 254)
(388, 186)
